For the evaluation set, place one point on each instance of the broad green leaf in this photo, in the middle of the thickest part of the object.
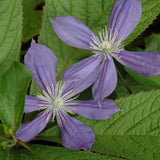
(13, 85)
(42, 152)
(32, 19)
(133, 147)
(152, 44)
(134, 132)
(10, 32)
(93, 13)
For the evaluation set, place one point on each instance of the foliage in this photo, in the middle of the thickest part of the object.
(132, 133)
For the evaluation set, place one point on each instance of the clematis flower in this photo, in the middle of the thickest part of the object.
(123, 18)
(59, 100)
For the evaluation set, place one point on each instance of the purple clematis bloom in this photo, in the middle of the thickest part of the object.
(58, 100)
(123, 18)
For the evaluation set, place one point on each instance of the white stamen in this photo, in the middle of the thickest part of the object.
(106, 44)
(57, 103)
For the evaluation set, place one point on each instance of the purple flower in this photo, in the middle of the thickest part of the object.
(124, 17)
(58, 100)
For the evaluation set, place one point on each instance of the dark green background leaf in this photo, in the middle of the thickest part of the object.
(32, 18)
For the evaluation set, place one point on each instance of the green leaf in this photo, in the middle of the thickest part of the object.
(95, 15)
(134, 132)
(32, 19)
(152, 44)
(13, 85)
(131, 147)
(41, 152)
(10, 32)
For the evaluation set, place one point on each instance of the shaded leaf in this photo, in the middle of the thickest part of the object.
(32, 18)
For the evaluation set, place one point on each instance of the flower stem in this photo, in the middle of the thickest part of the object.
(124, 82)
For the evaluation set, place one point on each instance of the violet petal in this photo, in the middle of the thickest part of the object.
(28, 131)
(32, 103)
(72, 31)
(90, 109)
(76, 135)
(124, 17)
(82, 74)
(144, 63)
(41, 62)
(106, 81)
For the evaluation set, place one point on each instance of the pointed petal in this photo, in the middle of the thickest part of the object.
(28, 131)
(32, 104)
(76, 135)
(72, 31)
(41, 62)
(106, 81)
(144, 63)
(124, 17)
(82, 74)
(90, 109)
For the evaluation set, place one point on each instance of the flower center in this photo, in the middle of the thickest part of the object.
(56, 102)
(106, 44)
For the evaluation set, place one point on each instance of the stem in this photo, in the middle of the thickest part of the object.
(124, 82)
(13, 144)
(66, 62)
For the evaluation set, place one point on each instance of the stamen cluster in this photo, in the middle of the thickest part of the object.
(106, 44)
(57, 103)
